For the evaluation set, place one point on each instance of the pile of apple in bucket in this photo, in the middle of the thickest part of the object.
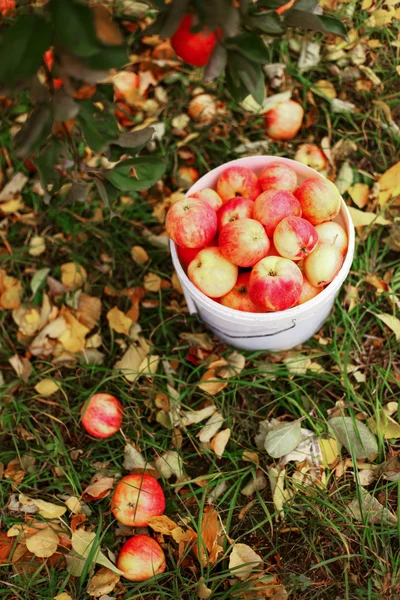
(260, 243)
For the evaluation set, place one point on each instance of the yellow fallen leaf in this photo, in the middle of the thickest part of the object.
(162, 524)
(130, 362)
(381, 17)
(44, 543)
(243, 560)
(139, 255)
(325, 88)
(73, 338)
(11, 291)
(387, 426)
(37, 245)
(210, 383)
(47, 387)
(392, 322)
(219, 442)
(27, 319)
(152, 282)
(118, 321)
(63, 596)
(330, 450)
(74, 505)
(389, 184)
(149, 365)
(359, 194)
(47, 510)
(103, 582)
(89, 310)
(73, 275)
(181, 121)
(362, 219)
(236, 363)
(12, 206)
(374, 44)
(203, 592)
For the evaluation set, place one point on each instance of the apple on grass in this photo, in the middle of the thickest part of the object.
(212, 273)
(186, 177)
(233, 209)
(102, 415)
(210, 196)
(243, 242)
(136, 498)
(275, 283)
(312, 156)
(295, 238)
(334, 234)
(203, 109)
(278, 176)
(322, 266)
(319, 199)
(238, 298)
(191, 223)
(274, 205)
(284, 120)
(238, 181)
(140, 558)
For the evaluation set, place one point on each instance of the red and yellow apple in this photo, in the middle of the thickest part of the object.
(238, 298)
(322, 265)
(295, 238)
(284, 120)
(126, 84)
(194, 48)
(319, 199)
(136, 499)
(275, 283)
(334, 234)
(243, 242)
(238, 181)
(186, 177)
(212, 273)
(272, 206)
(210, 196)
(203, 109)
(102, 415)
(191, 223)
(48, 58)
(312, 156)
(123, 114)
(308, 291)
(234, 209)
(186, 255)
(140, 558)
(278, 176)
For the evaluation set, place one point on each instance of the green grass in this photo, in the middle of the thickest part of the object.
(318, 550)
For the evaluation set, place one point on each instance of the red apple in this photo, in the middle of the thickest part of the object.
(194, 48)
(308, 291)
(186, 177)
(275, 283)
(203, 109)
(234, 209)
(278, 176)
(272, 206)
(140, 558)
(191, 223)
(238, 181)
(212, 273)
(102, 415)
(334, 234)
(126, 84)
(295, 238)
(136, 499)
(322, 266)
(284, 120)
(210, 196)
(48, 58)
(186, 255)
(312, 156)
(243, 242)
(319, 199)
(238, 297)
(123, 114)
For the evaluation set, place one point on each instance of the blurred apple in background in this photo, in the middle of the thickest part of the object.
(203, 109)
(312, 156)
(284, 120)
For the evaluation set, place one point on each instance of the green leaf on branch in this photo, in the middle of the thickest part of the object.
(34, 131)
(175, 14)
(217, 63)
(22, 46)
(74, 27)
(108, 58)
(135, 139)
(250, 45)
(235, 87)
(99, 127)
(45, 164)
(268, 22)
(136, 174)
(64, 107)
(249, 73)
(306, 20)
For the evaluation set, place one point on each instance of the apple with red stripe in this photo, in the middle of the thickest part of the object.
(102, 415)
(140, 558)
(137, 498)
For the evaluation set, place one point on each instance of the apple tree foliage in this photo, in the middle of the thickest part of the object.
(88, 47)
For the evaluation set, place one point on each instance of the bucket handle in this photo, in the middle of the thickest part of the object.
(246, 337)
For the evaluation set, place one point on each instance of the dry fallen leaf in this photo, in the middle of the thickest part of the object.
(63, 596)
(37, 245)
(47, 510)
(390, 321)
(152, 282)
(74, 505)
(324, 88)
(203, 592)
(139, 255)
(131, 361)
(389, 184)
(387, 426)
(170, 463)
(257, 483)
(219, 442)
(13, 187)
(212, 426)
(11, 291)
(210, 383)
(207, 538)
(118, 321)
(44, 543)
(99, 487)
(190, 417)
(236, 363)
(103, 582)
(73, 339)
(21, 366)
(47, 387)
(73, 275)
(243, 560)
(362, 219)
(359, 194)
(89, 310)
(162, 524)
(106, 29)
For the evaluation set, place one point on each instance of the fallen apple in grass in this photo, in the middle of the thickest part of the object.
(238, 181)
(274, 205)
(210, 196)
(238, 298)
(102, 415)
(243, 242)
(334, 234)
(126, 84)
(322, 266)
(191, 223)
(295, 238)
(136, 499)
(319, 199)
(284, 120)
(275, 283)
(312, 156)
(202, 109)
(140, 558)
(212, 273)
(278, 176)
(186, 177)
(234, 209)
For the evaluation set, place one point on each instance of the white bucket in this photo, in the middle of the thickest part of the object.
(274, 331)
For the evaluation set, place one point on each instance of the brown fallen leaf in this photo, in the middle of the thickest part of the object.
(73, 275)
(47, 510)
(152, 282)
(103, 582)
(131, 361)
(13, 187)
(44, 543)
(139, 255)
(236, 363)
(74, 505)
(21, 366)
(6, 545)
(63, 596)
(243, 560)
(389, 184)
(118, 321)
(219, 442)
(203, 592)
(162, 524)
(208, 537)
(99, 487)
(210, 383)
(89, 310)
(11, 291)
